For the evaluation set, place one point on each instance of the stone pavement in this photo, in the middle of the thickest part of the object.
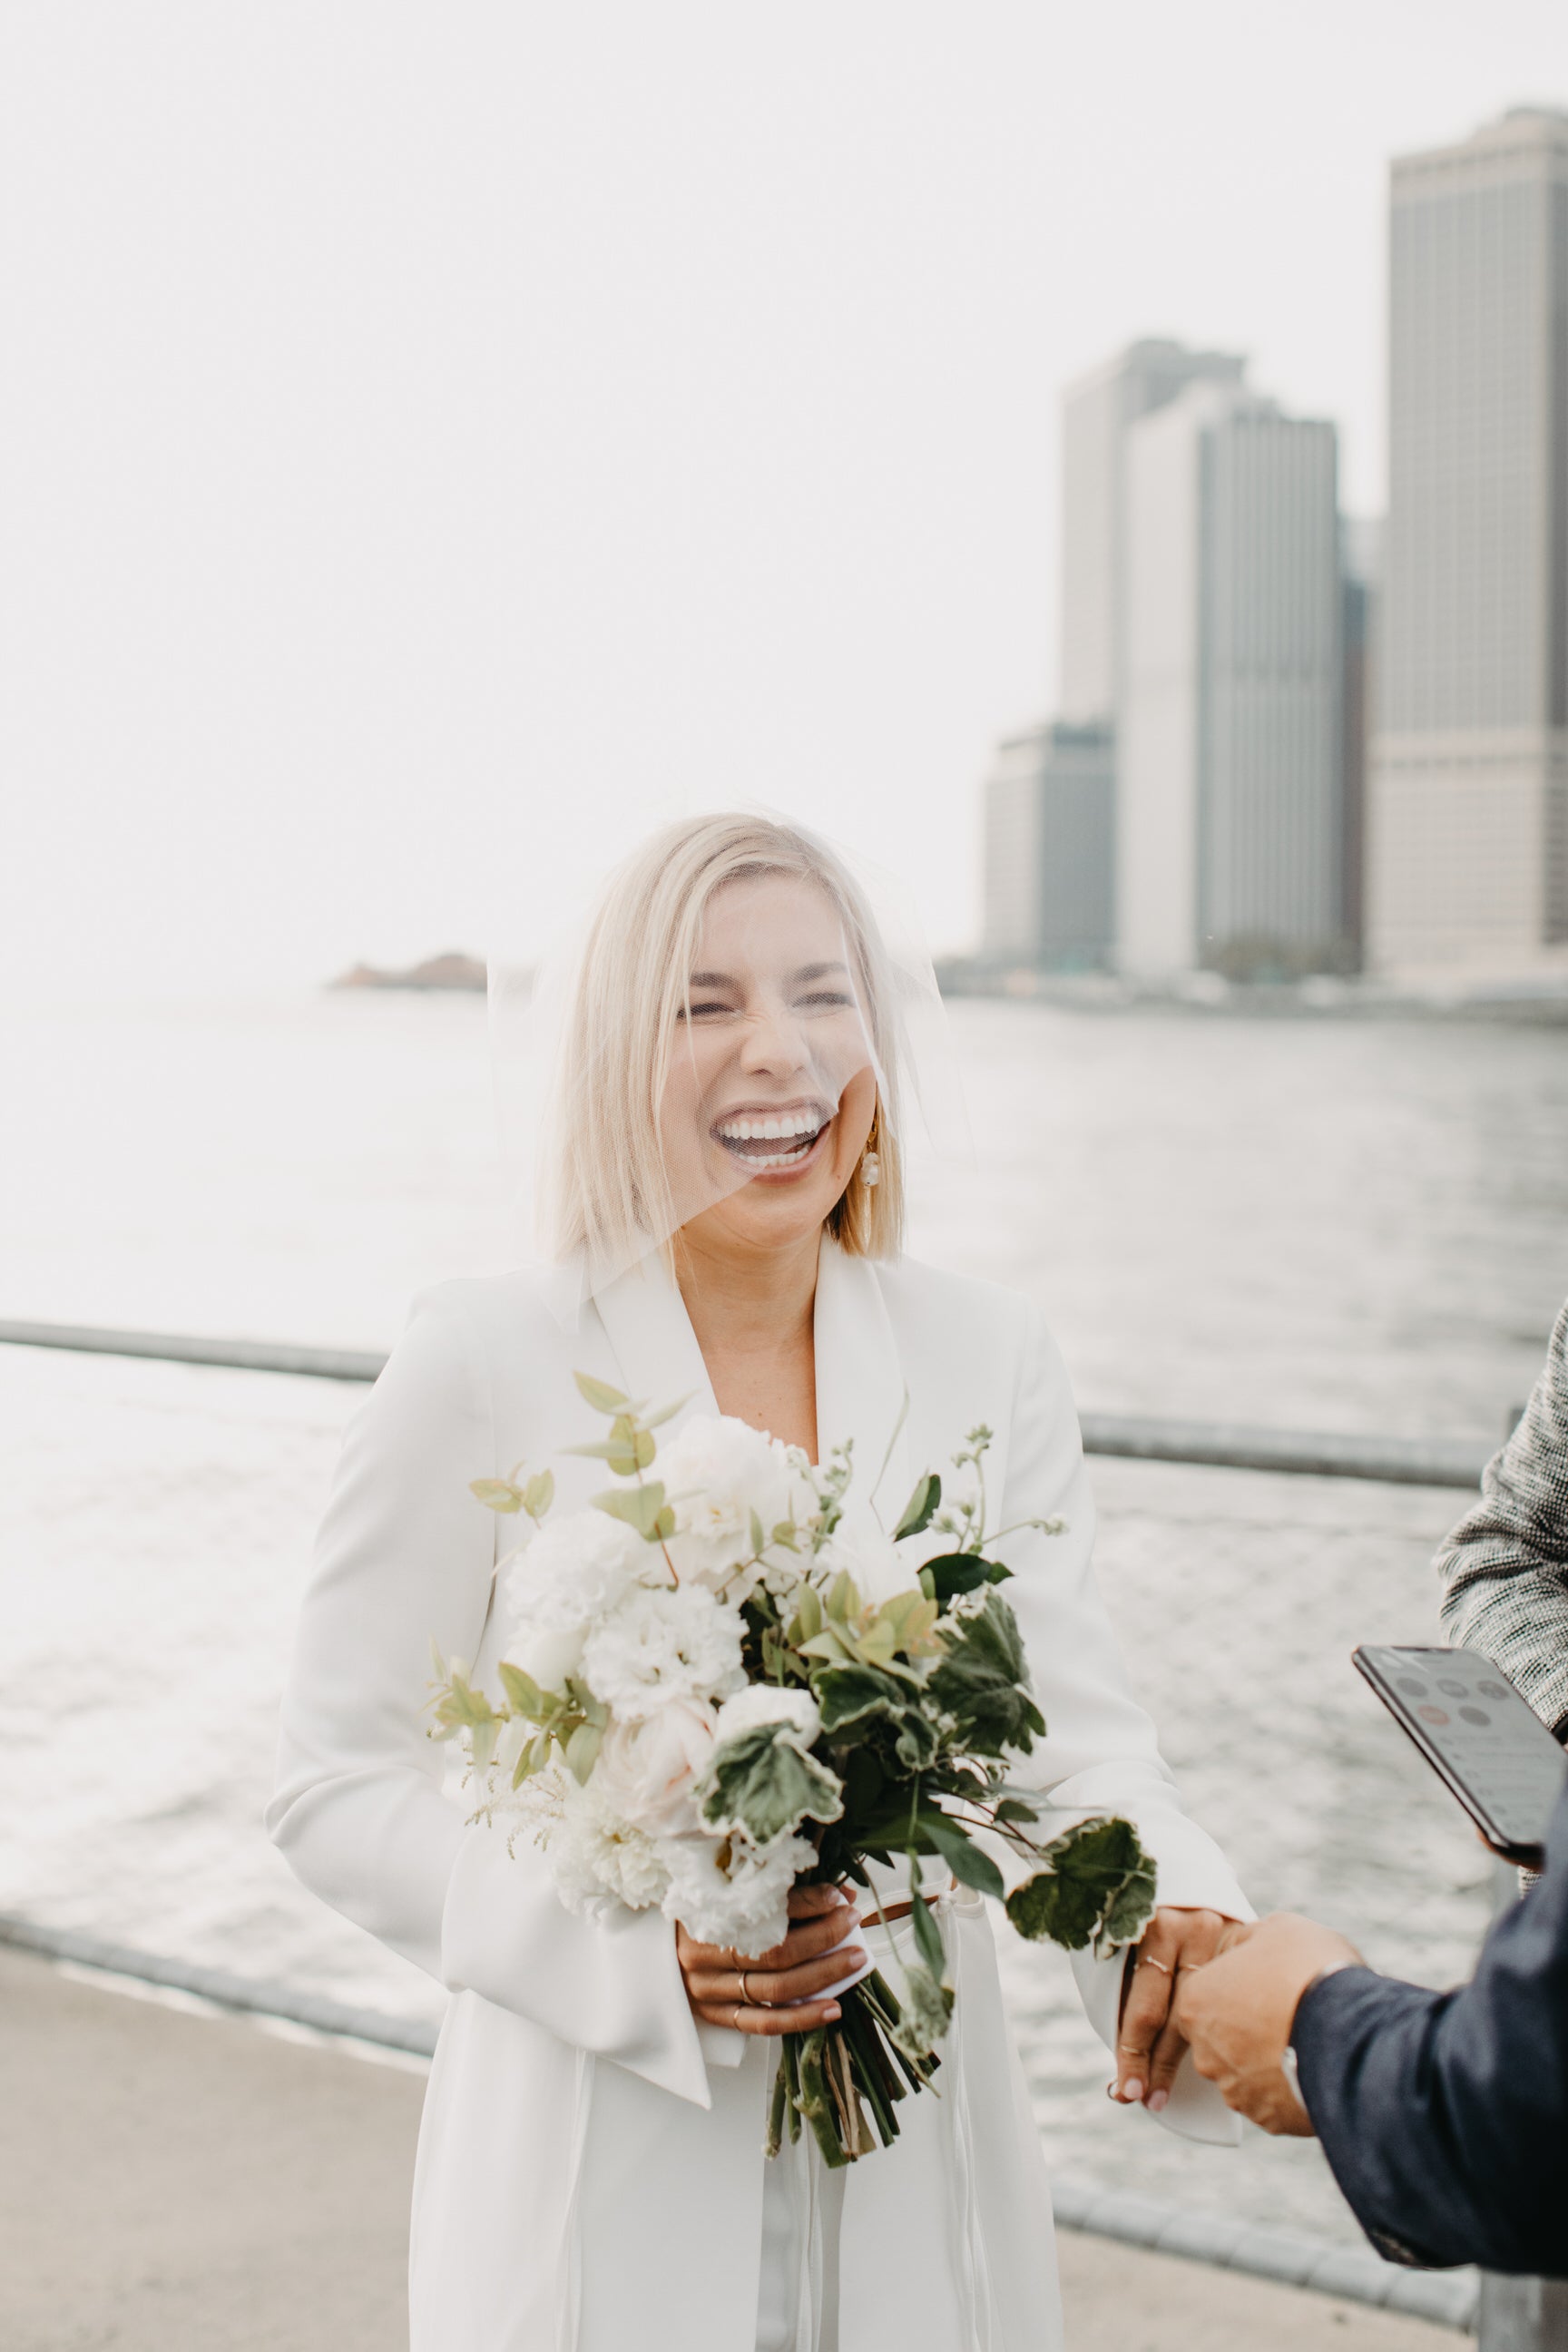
(173, 2180)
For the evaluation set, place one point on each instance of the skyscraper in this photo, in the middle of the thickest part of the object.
(1050, 798)
(1468, 794)
(1229, 846)
(1049, 848)
(1098, 411)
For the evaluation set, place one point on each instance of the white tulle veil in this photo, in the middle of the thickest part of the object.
(633, 1092)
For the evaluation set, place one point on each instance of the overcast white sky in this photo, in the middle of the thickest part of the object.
(434, 441)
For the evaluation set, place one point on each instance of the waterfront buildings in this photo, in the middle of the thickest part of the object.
(1230, 849)
(1048, 848)
(1467, 789)
(1184, 805)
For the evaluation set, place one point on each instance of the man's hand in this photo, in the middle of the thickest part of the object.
(1236, 2012)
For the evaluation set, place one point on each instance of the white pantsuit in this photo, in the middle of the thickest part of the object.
(590, 2174)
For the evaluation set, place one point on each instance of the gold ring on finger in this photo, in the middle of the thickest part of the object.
(1147, 1960)
(735, 2018)
(1136, 2048)
(746, 1990)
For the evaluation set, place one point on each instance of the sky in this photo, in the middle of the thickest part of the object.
(436, 443)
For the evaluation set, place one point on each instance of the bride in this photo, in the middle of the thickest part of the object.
(726, 1181)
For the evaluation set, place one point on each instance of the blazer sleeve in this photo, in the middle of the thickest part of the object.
(1505, 1566)
(360, 1810)
(1099, 1753)
(1445, 2115)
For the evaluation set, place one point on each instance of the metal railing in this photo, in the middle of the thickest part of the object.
(1227, 1445)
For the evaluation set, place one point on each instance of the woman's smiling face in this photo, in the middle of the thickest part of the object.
(772, 1087)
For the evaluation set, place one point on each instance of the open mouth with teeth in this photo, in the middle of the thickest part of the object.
(760, 1141)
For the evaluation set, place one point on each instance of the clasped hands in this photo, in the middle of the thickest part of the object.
(1227, 1989)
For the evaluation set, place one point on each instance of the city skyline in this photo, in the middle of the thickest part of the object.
(425, 461)
(1327, 741)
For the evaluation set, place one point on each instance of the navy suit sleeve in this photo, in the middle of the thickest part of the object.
(1445, 2115)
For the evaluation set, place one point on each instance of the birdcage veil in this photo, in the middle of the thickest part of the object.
(637, 1087)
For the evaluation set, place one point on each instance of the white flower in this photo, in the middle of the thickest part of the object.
(646, 1769)
(745, 1904)
(872, 1561)
(718, 1473)
(762, 1703)
(574, 1572)
(680, 1644)
(546, 1655)
(596, 1859)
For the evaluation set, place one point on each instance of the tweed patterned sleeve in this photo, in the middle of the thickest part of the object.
(1505, 1566)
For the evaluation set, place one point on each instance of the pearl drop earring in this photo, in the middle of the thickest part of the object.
(871, 1166)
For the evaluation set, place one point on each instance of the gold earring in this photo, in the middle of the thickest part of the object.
(870, 1165)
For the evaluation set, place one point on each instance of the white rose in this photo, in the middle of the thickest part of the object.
(870, 1559)
(717, 1473)
(646, 1769)
(763, 1703)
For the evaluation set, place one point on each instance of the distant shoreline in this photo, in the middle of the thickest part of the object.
(451, 970)
(1539, 1002)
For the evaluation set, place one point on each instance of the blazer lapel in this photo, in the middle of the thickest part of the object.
(860, 1389)
(652, 1340)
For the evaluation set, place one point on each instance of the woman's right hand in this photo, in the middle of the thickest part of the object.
(777, 1993)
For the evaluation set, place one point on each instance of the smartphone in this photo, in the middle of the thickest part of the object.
(1479, 1736)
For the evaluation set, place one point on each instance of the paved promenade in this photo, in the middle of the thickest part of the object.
(175, 2182)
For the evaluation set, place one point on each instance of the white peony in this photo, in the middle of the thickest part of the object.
(574, 1571)
(874, 1564)
(598, 1860)
(761, 1703)
(646, 1769)
(746, 1903)
(677, 1643)
(717, 1473)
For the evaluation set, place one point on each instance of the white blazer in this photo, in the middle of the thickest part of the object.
(589, 2154)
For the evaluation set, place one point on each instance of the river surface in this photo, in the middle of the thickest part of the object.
(1330, 1222)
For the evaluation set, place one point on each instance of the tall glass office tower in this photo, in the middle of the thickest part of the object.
(1467, 791)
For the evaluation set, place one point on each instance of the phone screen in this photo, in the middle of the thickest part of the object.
(1475, 1729)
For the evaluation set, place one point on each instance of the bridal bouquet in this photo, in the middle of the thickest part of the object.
(714, 1687)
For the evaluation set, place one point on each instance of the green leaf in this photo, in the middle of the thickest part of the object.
(758, 1545)
(954, 1572)
(922, 1919)
(926, 2008)
(921, 1508)
(850, 1694)
(599, 1393)
(583, 1750)
(807, 1614)
(1014, 1809)
(642, 1507)
(495, 1495)
(766, 1783)
(970, 1864)
(523, 1691)
(539, 1494)
(1098, 1888)
(983, 1683)
(668, 1412)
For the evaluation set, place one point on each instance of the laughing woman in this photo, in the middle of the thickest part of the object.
(726, 1188)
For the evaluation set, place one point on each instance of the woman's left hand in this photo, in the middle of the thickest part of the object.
(1149, 2048)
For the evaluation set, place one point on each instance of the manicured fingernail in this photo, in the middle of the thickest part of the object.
(831, 2011)
(1158, 2099)
(1132, 2088)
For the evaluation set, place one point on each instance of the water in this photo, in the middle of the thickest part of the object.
(1356, 1225)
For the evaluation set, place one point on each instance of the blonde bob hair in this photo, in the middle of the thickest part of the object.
(604, 1185)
